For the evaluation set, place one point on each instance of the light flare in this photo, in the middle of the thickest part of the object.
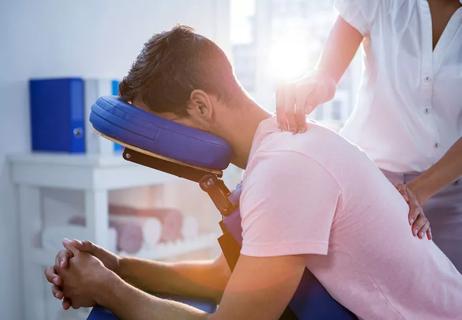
(288, 59)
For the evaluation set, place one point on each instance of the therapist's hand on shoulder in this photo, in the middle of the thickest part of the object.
(417, 219)
(53, 273)
(297, 99)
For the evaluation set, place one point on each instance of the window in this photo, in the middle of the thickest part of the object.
(282, 40)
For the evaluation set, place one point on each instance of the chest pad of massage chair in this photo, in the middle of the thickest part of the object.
(196, 155)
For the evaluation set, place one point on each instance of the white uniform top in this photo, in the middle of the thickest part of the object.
(410, 104)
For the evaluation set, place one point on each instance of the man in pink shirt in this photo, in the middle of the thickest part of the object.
(311, 200)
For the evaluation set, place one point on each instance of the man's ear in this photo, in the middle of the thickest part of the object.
(201, 108)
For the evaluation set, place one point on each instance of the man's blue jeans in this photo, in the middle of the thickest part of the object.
(99, 313)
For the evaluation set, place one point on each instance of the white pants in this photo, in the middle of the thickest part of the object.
(444, 210)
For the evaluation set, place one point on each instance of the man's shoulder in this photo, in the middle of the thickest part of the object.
(317, 143)
(283, 155)
(319, 153)
(282, 167)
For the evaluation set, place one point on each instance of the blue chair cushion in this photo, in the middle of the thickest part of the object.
(133, 126)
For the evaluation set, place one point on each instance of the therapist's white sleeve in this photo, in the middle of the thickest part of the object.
(361, 14)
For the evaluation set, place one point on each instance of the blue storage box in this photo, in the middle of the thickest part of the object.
(57, 115)
(59, 111)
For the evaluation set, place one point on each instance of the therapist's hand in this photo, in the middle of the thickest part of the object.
(297, 99)
(417, 219)
(110, 260)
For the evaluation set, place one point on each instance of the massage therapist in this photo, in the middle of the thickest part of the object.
(409, 115)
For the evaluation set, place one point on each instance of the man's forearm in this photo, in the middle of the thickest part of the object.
(200, 279)
(130, 303)
(442, 173)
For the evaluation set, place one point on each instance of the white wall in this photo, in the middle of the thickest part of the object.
(53, 38)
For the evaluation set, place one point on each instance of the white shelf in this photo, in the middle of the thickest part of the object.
(70, 159)
(95, 176)
(84, 172)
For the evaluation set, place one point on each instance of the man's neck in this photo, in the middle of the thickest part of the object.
(245, 124)
(238, 128)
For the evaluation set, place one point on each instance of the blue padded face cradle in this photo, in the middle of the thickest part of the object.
(133, 126)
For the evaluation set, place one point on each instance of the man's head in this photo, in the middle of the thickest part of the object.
(179, 73)
(185, 77)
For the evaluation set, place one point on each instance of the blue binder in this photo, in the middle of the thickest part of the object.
(57, 115)
(115, 92)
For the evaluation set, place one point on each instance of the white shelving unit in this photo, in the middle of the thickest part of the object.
(95, 176)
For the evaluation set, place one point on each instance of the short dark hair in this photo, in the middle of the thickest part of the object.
(174, 63)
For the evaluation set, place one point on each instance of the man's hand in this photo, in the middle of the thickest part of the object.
(85, 278)
(110, 260)
(417, 219)
(295, 100)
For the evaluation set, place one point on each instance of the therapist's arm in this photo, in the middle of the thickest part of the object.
(294, 100)
(442, 173)
(427, 184)
(340, 48)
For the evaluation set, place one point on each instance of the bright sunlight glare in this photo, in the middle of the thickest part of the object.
(288, 59)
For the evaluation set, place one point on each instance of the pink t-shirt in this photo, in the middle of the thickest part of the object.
(317, 194)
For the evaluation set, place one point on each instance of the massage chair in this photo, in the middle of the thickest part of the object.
(201, 157)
